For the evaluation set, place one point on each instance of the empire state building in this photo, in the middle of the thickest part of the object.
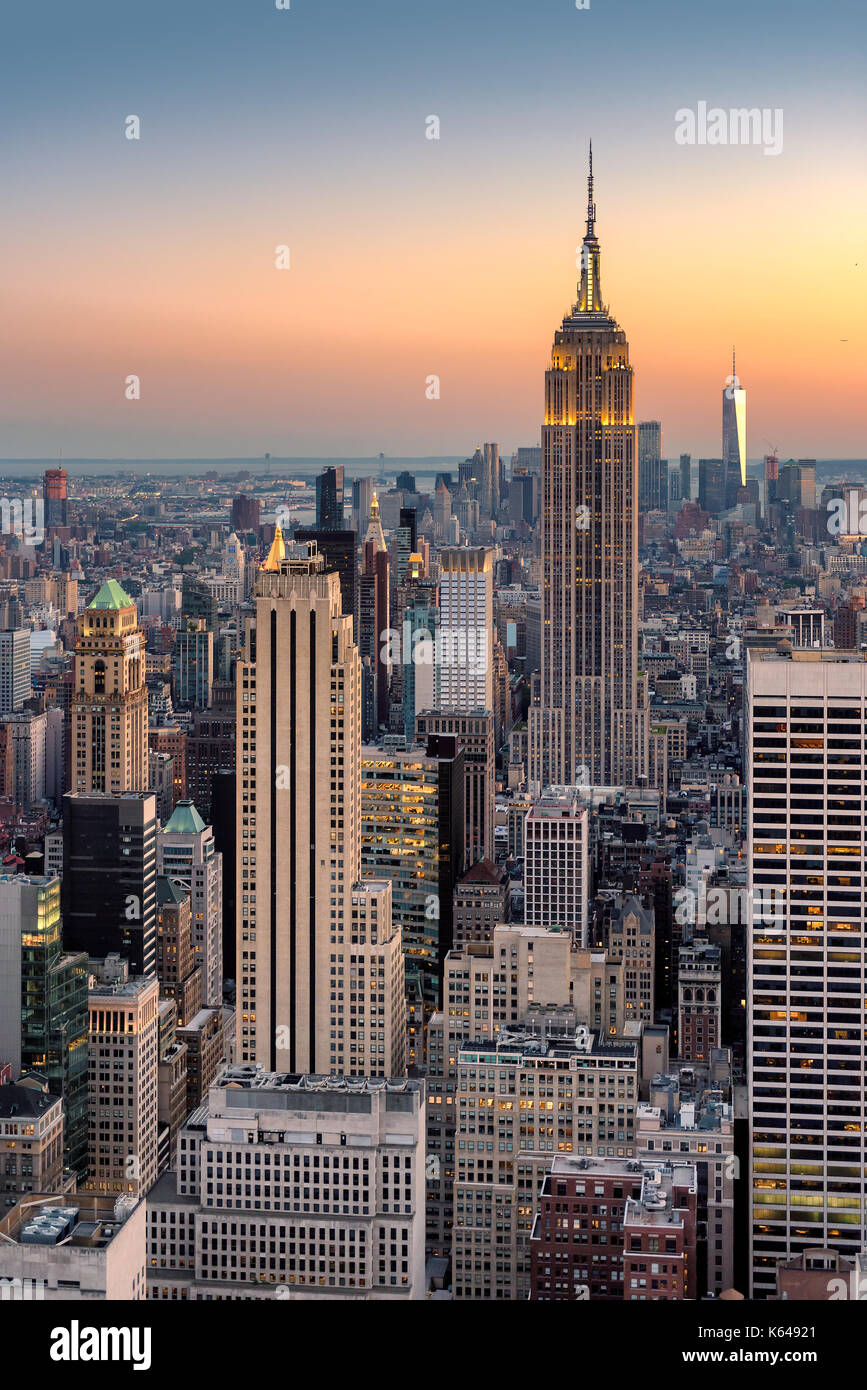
(588, 722)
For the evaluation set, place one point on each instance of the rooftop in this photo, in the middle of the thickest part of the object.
(184, 820)
(112, 596)
(84, 1221)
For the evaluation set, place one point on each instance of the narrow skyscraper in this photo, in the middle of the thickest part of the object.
(590, 721)
(734, 436)
(110, 703)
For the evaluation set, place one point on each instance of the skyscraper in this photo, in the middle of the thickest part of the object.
(110, 702)
(686, 477)
(319, 964)
(123, 1075)
(734, 436)
(54, 496)
(807, 955)
(109, 876)
(43, 1002)
(590, 722)
(329, 499)
(651, 467)
(15, 684)
(712, 486)
(187, 854)
(464, 672)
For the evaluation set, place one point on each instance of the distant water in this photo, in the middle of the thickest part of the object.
(424, 469)
(279, 467)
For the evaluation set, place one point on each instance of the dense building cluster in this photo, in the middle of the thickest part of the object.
(438, 886)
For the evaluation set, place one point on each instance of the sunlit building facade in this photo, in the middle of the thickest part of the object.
(589, 724)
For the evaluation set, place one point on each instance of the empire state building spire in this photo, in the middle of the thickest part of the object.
(590, 288)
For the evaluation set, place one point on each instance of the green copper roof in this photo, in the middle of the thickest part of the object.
(111, 595)
(184, 820)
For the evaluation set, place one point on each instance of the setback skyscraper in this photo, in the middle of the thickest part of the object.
(319, 964)
(589, 724)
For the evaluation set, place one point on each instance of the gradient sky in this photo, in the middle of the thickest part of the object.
(413, 257)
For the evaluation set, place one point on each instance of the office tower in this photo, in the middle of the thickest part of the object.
(199, 603)
(772, 474)
(15, 685)
(556, 866)
(193, 664)
(179, 976)
(307, 926)
(592, 1085)
(807, 954)
(161, 781)
(340, 553)
(90, 1247)
(43, 1002)
(734, 437)
(686, 477)
(464, 668)
(31, 1140)
(492, 475)
(109, 876)
(27, 734)
(442, 510)
(210, 749)
(649, 1208)
(54, 497)
(352, 1229)
(362, 496)
(419, 633)
(807, 479)
(712, 486)
(589, 725)
(482, 902)
(406, 539)
(474, 730)
(187, 854)
(412, 832)
(405, 482)
(651, 496)
(122, 1079)
(373, 645)
(329, 499)
(630, 939)
(246, 513)
(109, 704)
(523, 498)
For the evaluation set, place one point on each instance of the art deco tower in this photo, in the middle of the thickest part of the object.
(110, 702)
(319, 965)
(590, 720)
